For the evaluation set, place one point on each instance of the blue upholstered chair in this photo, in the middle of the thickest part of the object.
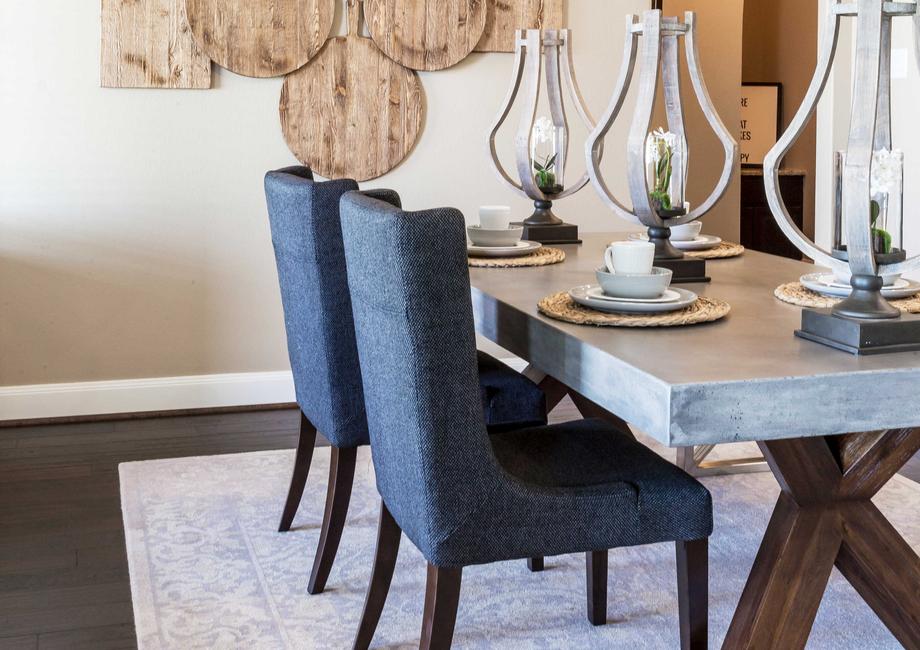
(461, 496)
(307, 238)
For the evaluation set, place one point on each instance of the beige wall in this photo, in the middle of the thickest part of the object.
(719, 37)
(133, 232)
(780, 44)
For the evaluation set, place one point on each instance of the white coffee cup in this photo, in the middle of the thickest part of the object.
(687, 232)
(494, 217)
(630, 257)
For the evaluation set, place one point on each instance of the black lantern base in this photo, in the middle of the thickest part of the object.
(546, 228)
(861, 336)
(562, 233)
(685, 269)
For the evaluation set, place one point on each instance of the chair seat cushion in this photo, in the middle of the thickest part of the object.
(577, 487)
(510, 400)
(587, 453)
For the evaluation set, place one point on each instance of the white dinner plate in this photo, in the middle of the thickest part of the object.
(582, 295)
(670, 295)
(831, 280)
(818, 282)
(701, 243)
(519, 249)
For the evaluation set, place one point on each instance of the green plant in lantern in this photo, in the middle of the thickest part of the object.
(885, 184)
(545, 173)
(881, 238)
(660, 153)
(544, 156)
(663, 171)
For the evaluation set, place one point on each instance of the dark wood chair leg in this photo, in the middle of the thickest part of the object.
(338, 495)
(535, 564)
(388, 537)
(596, 572)
(442, 596)
(301, 471)
(693, 593)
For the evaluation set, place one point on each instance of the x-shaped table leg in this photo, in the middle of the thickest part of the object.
(825, 518)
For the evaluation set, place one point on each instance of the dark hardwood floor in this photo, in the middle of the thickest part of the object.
(63, 567)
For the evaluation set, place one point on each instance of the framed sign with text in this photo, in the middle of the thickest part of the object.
(761, 121)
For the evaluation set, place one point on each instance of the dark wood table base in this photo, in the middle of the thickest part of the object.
(825, 518)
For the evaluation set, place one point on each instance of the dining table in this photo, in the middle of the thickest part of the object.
(833, 427)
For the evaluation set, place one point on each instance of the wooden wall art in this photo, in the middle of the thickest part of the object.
(351, 112)
(426, 34)
(148, 44)
(261, 38)
(508, 16)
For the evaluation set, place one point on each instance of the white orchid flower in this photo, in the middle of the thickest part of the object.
(543, 130)
(653, 141)
(886, 173)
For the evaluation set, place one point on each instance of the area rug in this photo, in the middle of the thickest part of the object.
(208, 569)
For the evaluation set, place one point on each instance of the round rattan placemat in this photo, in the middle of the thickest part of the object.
(723, 250)
(561, 307)
(797, 294)
(540, 257)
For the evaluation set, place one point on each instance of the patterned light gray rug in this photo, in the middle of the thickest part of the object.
(208, 570)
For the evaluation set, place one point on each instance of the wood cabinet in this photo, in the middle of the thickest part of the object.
(759, 230)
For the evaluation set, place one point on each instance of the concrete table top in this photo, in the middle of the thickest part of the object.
(744, 378)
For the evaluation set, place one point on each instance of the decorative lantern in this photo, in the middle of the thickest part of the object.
(868, 213)
(658, 161)
(542, 144)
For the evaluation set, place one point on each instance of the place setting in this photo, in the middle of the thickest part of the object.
(824, 289)
(690, 239)
(632, 292)
(497, 243)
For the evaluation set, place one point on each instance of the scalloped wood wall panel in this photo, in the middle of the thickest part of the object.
(426, 34)
(261, 38)
(506, 16)
(148, 44)
(351, 112)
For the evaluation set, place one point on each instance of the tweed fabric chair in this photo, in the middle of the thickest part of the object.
(462, 497)
(307, 239)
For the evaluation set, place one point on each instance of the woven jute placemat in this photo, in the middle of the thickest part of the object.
(723, 250)
(795, 293)
(561, 307)
(540, 257)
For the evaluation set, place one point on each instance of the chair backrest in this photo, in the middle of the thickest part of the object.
(307, 238)
(410, 288)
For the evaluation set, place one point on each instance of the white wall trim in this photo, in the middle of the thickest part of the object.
(142, 395)
(77, 399)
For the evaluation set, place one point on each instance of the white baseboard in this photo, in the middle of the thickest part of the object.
(143, 395)
(155, 394)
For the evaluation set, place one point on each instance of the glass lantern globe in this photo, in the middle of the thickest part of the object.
(545, 159)
(666, 168)
(886, 207)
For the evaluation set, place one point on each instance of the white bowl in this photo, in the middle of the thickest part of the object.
(687, 232)
(484, 237)
(651, 285)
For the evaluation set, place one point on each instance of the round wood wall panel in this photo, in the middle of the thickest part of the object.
(426, 34)
(352, 112)
(260, 38)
